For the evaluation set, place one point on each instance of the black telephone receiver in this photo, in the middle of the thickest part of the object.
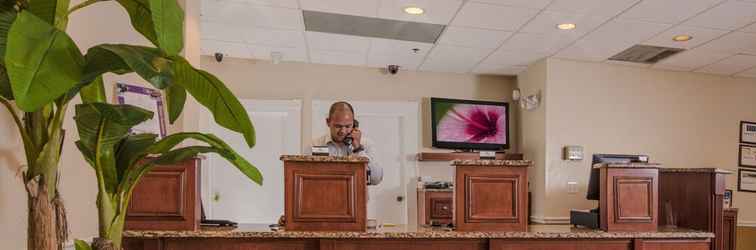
(348, 139)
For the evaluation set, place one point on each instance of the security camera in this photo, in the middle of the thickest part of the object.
(218, 56)
(392, 68)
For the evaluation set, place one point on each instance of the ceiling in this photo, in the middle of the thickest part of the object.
(492, 36)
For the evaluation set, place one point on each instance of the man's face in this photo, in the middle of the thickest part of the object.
(341, 124)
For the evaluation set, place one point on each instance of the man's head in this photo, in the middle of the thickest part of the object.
(340, 120)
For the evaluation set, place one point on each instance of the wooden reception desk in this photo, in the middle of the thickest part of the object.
(629, 197)
(491, 195)
(325, 193)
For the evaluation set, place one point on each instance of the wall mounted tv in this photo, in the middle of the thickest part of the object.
(469, 124)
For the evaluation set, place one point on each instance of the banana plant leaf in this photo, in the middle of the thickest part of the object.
(150, 63)
(160, 21)
(42, 62)
(54, 12)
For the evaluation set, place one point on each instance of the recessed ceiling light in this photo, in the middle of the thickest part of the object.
(566, 26)
(682, 38)
(414, 10)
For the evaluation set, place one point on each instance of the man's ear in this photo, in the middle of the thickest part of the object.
(328, 121)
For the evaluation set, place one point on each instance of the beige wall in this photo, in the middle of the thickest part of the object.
(679, 119)
(533, 134)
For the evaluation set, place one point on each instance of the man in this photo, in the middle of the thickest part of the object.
(346, 139)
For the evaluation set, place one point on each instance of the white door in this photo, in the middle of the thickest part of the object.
(226, 192)
(394, 127)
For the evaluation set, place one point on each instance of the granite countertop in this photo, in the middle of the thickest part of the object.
(695, 170)
(627, 165)
(321, 158)
(407, 232)
(451, 189)
(493, 163)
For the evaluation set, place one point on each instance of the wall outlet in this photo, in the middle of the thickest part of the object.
(572, 187)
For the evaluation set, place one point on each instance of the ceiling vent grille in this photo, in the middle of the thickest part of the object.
(645, 54)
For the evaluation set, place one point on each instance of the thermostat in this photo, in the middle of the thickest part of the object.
(573, 153)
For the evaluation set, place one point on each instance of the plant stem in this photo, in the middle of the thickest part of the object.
(28, 146)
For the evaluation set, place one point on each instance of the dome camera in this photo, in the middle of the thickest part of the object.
(392, 69)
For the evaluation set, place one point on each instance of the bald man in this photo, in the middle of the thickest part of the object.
(341, 123)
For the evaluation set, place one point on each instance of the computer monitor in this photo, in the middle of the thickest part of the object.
(594, 192)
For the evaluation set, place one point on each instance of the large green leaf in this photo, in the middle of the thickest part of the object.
(43, 63)
(101, 127)
(132, 149)
(54, 12)
(94, 91)
(214, 95)
(168, 19)
(175, 97)
(81, 245)
(150, 63)
(141, 18)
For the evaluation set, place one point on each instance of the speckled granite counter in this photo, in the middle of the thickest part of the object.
(695, 170)
(320, 158)
(404, 232)
(627, 165)
(493, 163)
(435, 190)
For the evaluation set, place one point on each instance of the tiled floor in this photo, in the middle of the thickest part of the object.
(746, 238)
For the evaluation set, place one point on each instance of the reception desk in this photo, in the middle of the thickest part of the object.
(258, 237)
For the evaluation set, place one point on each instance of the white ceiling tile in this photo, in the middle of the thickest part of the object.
(691, 59)
(490, 16)
(670, 67)
(546, 22)
(591, 7)
(275, 3)
(631, 64)
(336, 42)
(368, 8)
(546, 43)
(229, 49)
(498, 70)
(274, 37)
(733, 43)
(474, 38)
(667, 11)
(384, 52)
(730, 15)
(337, 57)
(748, 73)
(463, 55)
(610, 39)
(700, 36)
(436, 65)
(730, 65)
(288, 54)
(535, 4)
(250, 15)
(435, 11)
(513, 57)
(221, 32)
(750, 28)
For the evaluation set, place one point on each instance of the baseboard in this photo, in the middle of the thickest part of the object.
(550, 220)
(746, 223)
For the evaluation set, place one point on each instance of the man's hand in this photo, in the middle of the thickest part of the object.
(356, 138)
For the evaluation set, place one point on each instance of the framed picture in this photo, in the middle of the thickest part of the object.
(746, 180)
(748, 132)
(747, 156)
(146, 98)
(728, 198)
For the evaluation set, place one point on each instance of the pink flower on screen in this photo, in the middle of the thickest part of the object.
(473, 123)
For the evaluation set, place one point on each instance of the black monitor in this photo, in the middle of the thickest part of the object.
(594, 192)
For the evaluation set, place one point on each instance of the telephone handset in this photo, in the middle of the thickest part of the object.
(348, 139)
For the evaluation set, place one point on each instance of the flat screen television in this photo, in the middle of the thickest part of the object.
(469, 124)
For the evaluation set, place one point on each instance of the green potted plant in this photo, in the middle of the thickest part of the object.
(43, 70)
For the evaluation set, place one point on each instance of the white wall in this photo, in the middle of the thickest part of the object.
(680, 119)
(533, 135)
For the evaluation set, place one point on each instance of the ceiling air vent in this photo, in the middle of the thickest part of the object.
(645, 54)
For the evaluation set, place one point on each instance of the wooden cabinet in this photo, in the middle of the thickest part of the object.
(491, 195)
(672, 244)
(730, 229)
(629, 197)
(325, 195)
(410, 244)
(166, 198)
(560, 244)
(435, 207)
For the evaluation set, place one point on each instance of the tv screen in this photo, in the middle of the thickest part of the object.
(469, 124)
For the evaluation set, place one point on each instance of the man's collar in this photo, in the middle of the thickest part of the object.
(328, 138)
